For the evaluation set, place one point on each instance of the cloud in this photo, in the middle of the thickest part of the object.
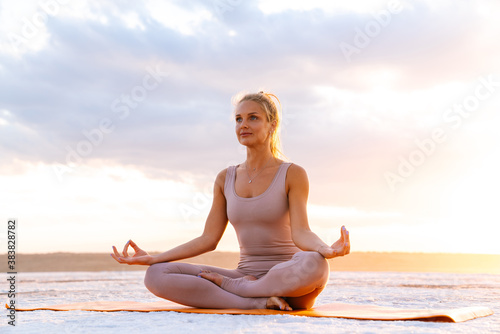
(141, 92)
(94, 56)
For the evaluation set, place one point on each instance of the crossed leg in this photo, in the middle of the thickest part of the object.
(300, 280)
(179, 282)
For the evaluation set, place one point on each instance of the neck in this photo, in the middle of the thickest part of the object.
(257, 158)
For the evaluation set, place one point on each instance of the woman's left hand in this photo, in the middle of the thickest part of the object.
(341, 247)
(140, 257)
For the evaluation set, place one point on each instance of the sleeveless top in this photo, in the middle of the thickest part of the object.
(262, 224)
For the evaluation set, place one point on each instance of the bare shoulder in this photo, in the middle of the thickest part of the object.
(296, 177)
(296, 172)
(221, 180)
(221, 177)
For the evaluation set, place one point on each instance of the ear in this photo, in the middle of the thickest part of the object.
(273, 126)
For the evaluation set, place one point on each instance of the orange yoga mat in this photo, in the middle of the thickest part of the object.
(337, 310)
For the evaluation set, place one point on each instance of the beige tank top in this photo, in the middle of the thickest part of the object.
(262, 224)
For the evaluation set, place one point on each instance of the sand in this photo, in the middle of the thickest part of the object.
(357, 261)
(388, 289)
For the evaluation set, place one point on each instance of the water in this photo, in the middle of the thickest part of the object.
(405, 290)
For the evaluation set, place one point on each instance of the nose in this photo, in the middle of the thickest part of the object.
(243, 124)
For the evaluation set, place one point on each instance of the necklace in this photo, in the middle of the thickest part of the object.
(252, 178)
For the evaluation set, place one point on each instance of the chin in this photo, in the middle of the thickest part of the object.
(243, 140)
(249, 141)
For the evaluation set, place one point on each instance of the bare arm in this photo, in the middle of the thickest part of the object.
(302, 236)
(214, 229)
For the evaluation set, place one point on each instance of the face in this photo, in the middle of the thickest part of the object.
(252, 126)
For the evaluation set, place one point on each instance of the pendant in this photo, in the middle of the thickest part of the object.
(250, 181)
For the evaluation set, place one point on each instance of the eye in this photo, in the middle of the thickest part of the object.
(238, 119)
(253, 117)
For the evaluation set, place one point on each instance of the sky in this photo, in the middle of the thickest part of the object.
(115, 118)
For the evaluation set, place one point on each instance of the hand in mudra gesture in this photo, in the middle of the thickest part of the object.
(140, 256)
(340, 247)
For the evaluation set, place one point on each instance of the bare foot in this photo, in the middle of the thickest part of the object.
(213, 277)
(217, 278)
(277, 303)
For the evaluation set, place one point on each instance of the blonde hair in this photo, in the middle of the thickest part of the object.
(273, 113)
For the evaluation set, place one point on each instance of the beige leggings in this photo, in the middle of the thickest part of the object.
(299, 281)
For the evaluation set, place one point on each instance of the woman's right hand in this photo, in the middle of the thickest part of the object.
(141, 257)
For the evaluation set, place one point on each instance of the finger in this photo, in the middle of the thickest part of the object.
(117, 258)
(134, 246)
(125, 249)
(345, 234)
(115, 251)
(347, 244)
(128, 260)
(342, 233)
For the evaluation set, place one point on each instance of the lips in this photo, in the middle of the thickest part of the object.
(243, 134)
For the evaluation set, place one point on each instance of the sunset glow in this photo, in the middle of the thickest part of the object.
(115, 120)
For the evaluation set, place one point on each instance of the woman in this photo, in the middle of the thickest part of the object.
(282, 262)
